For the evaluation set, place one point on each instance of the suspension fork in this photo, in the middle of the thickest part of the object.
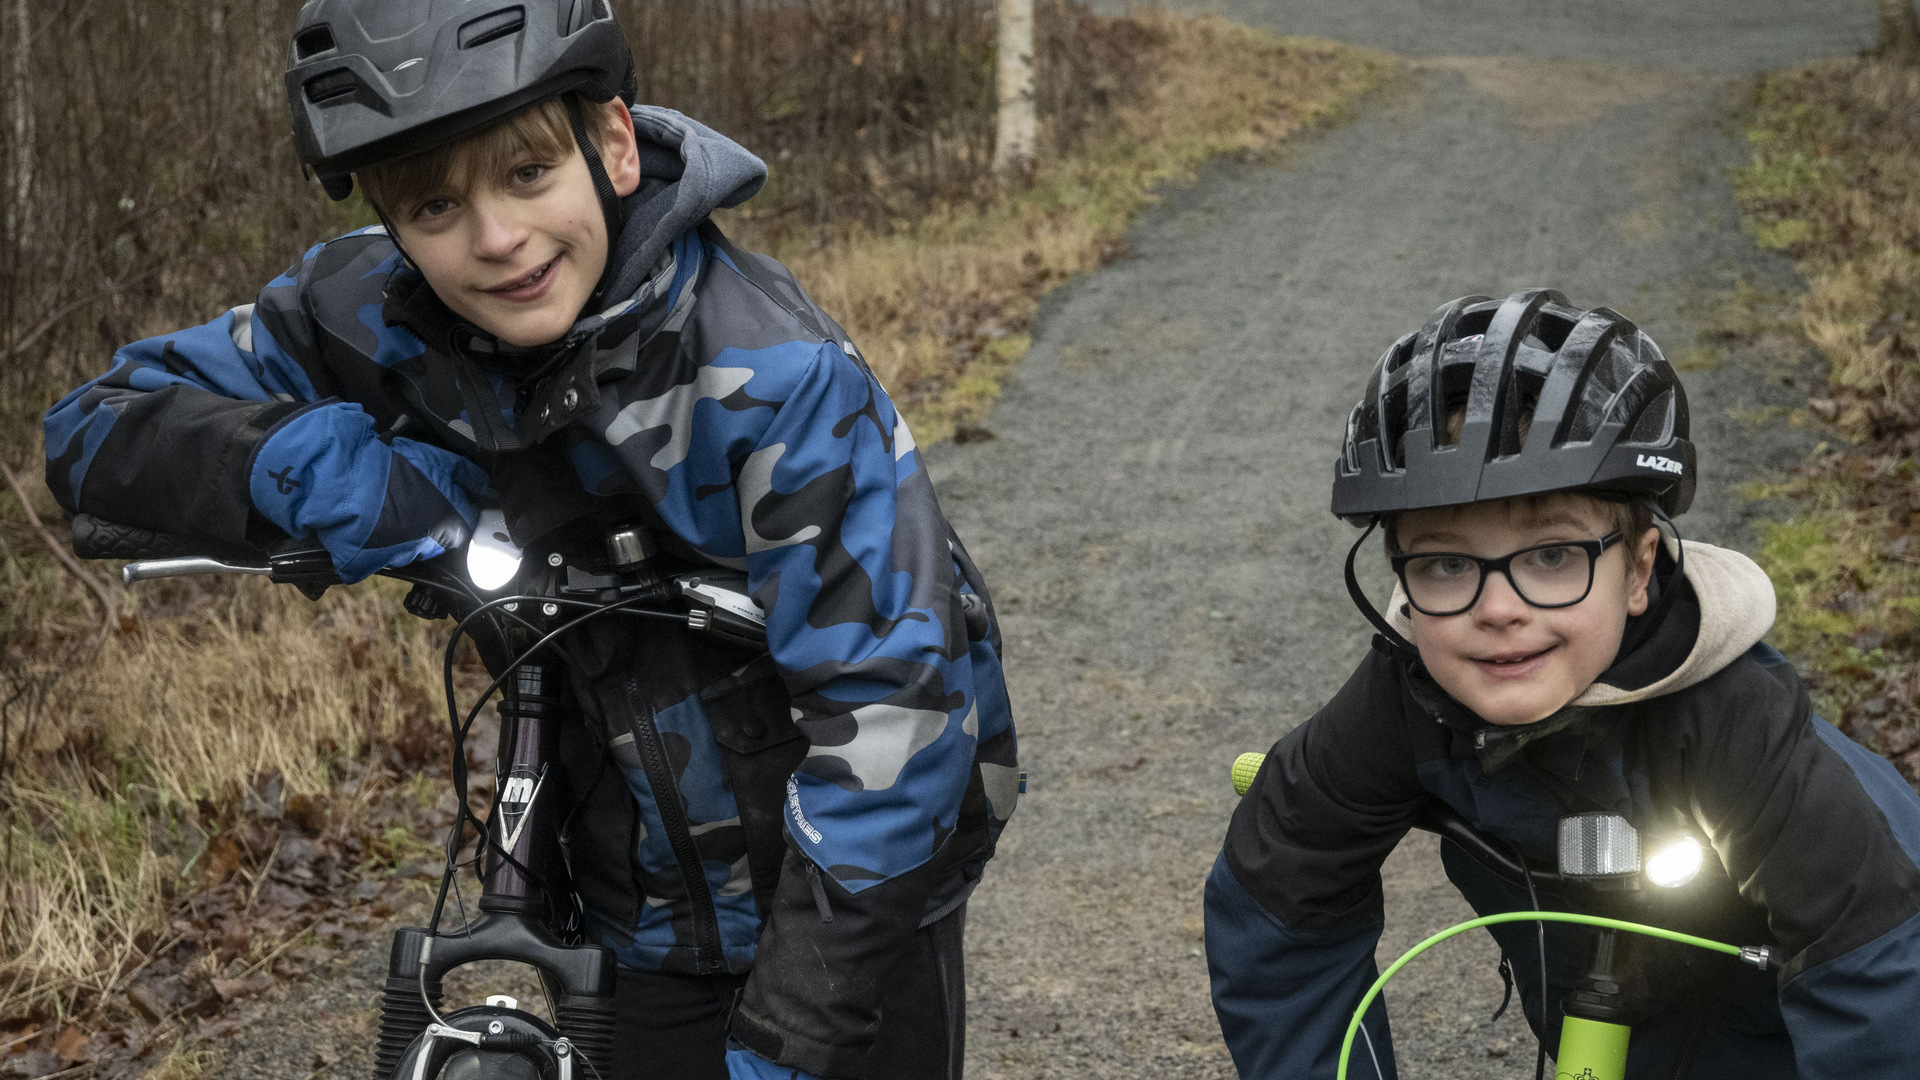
(514, 923)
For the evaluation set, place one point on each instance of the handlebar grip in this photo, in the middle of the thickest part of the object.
(1245, 768)
(94, 538)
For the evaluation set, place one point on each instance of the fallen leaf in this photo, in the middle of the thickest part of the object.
(222, 859)
(71, 1046)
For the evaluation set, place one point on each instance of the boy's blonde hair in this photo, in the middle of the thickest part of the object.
(540, 130)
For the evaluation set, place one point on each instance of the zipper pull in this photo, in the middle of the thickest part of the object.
(819, 891)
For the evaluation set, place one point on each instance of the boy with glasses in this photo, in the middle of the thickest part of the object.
(1549, 652)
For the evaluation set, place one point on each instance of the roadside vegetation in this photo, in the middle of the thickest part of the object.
(1834, 181)
(205, 786)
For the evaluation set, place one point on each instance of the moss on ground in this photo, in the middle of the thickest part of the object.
(1834, 180)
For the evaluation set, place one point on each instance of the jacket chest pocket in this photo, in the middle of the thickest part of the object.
(760, 746)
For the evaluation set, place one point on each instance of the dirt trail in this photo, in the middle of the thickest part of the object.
(1153, 515)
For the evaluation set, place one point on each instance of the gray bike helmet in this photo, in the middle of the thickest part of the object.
(1602, 411)
(369, 81)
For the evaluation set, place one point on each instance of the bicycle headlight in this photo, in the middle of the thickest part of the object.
(1675, 863)
(492, 558)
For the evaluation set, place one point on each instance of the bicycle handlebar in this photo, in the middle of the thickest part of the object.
(161, 555)
(95, 538)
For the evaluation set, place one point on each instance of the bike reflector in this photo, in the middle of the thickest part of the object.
(1598, 845)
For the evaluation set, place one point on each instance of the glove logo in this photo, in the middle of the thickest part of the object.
(284, 480)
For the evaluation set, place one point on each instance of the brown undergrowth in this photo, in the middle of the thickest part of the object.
(1835, 181)
(208, 784)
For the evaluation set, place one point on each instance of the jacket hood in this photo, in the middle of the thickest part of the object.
(687, 171)
(1735, 604)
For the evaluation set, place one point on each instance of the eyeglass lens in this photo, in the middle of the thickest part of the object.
(1447, 584)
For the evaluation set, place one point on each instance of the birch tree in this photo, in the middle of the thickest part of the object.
(1016, 131)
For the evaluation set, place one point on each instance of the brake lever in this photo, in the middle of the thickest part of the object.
(309, 569)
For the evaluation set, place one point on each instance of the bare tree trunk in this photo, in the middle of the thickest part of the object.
(16, 217)
(1013, 77)
(1899, 31)
(19, 125)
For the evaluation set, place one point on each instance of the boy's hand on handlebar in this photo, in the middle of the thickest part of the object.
(372, 502)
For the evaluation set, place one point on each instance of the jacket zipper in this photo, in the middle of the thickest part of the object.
(666, 796)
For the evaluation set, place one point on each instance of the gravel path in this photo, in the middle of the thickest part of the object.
(1153, 515)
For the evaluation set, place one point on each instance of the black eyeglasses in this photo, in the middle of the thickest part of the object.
(1553, 575)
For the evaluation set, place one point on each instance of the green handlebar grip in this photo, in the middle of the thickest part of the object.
(1245, 767)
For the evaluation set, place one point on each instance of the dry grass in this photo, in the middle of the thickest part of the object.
(192, 696)
(1835, 181)
(132, 733)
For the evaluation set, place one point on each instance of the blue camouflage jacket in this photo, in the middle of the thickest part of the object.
(838, 792)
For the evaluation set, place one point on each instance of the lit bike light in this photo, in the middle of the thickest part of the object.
(492, 558)
(1676, 863)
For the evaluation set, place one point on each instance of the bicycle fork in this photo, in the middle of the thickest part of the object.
(520, 854)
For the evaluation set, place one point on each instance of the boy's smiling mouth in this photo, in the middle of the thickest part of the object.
(529, 286)
(1517, 664)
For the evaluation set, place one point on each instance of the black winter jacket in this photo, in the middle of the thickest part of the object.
(1813, 847)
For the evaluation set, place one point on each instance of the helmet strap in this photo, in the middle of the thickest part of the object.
(1379, 621)
(1672, 584)
(610, 204)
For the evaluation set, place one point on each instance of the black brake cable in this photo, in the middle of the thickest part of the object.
(464, 813)
(1540, 928)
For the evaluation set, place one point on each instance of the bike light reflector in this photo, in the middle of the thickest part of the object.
(492, 557)
(1598, 845)
(1675, 864)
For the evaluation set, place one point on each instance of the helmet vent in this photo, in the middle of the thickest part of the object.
(312, 43)
(334, 87)
(492, 27)
(1474, 323)
(1401, 352)
(1655, 425)
(1551, 329)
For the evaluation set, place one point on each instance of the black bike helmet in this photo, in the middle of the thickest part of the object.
(369, 81)
(1554, 399)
